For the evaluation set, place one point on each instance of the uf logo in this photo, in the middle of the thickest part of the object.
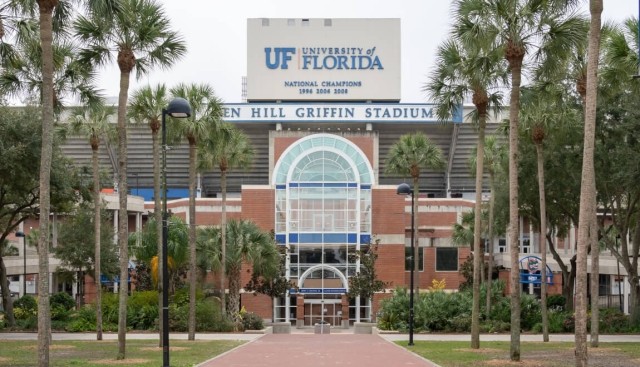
(281, 55)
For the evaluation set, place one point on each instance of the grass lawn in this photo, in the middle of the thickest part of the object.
(458, 354)
(103, 353)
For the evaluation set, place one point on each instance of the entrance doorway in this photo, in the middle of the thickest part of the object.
(328, 310)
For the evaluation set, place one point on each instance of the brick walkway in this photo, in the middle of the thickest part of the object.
(311, 350)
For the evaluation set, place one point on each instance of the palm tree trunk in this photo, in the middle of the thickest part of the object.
(123, 218)
(44, 312)
(478, 255)
(416, 239)
(587, 187)
(514, 216)
(223, 245)
(192, 242)
(157, 215)
(543, 244)
(595, 281)
(234, 294)
(490, 260)
(632, 271)
(96, 229)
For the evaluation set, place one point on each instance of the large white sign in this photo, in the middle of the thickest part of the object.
(323, 59)
(333, 112)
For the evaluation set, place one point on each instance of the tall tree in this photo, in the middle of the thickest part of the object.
(140, 37)
(518, 27)
(587, 186)
(247, 245)
(146, 105)
(617, 179)
(95, 125)
(408, 157)
(494, 155)
(76, 253)
(225, 148)
(21, 75)
(19, 180)
(463, 72)
(542, 110)
(206, 114)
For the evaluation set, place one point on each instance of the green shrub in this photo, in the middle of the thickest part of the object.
(497, 326)
(394, 311)
(501, 310)
(62, 299)
(556, 321)
(208, 317)
(79, 325)
(461, 323)
(2, 323)
(29, 323)
(110, 304)
(251, 321)
(556, 301)
(59, 312)
(142, 310)
(25, 307)
(529, 312)
(613, 321)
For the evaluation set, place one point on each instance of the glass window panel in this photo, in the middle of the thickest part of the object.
(446, 259)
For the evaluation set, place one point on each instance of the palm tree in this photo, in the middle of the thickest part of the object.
(94, 124)
(147, 104)
(139, 36)
(518, 27)
(494, 155)
(620, 64)
(408, 157)
(587, 187)
(225, 148)
(206, 114)
(462, 72)
(143, 247)
(247, 244)
(542, 110)
(48, 22)
(21, 75)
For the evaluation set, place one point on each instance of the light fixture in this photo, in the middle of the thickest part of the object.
(405, 189)
(21, 234)
(177, 108)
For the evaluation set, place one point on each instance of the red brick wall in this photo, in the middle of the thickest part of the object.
(390, 265)
(258, 304)
(388, 215)
(258, 205)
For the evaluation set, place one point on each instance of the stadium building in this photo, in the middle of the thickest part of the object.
(322, 111)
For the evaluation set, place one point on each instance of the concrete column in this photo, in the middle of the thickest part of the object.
(299, 311)
(345, 311)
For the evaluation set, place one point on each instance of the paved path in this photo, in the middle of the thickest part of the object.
(311, 350)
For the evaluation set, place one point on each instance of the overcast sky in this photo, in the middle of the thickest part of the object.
(216, 32)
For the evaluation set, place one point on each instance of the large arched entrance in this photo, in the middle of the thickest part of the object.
(323, 216)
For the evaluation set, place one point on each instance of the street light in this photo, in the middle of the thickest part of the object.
(178, 108)
(24, 261)
(405, 189)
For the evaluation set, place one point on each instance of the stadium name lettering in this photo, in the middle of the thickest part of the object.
(328, 112)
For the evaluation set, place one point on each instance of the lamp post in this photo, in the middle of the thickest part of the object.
(620, 282)
(20, 234)
(405, 189)
(177, 108)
